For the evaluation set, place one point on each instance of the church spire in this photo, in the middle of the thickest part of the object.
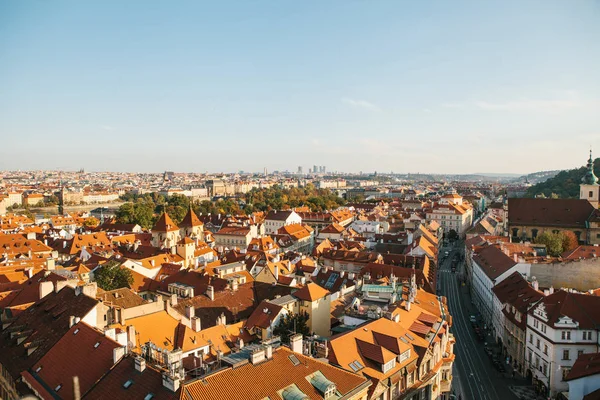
(590, 178)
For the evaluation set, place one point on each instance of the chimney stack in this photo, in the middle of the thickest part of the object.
(257, 356)
(111, 334)
(196, 326)
(71, 321)
(190, 312)
(140, 364)
(268, 352)
(276, 274)
(29, 272)
(45, 289)
(131, 337)
(210, 292)
(535, 283)
(234, 285)
(296, 343)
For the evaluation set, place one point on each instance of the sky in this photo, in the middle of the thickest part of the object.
(210, 86)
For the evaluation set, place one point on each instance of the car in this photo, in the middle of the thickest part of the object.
(446, 253)
(473, 319)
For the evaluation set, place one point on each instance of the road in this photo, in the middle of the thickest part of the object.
(474, 376)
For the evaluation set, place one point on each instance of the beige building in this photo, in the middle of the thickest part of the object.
(315, 301)
(165, 234)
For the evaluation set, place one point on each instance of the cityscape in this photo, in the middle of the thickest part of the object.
(299, 200)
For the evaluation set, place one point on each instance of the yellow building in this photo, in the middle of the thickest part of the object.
(315, 301)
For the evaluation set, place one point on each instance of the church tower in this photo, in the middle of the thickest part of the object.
(589, 189)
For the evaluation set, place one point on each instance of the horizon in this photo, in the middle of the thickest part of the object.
(385, 86)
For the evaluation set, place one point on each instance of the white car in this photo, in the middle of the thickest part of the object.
(473, 318)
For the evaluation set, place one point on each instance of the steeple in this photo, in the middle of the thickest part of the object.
(590, 178)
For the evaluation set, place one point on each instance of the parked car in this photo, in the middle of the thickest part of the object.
(473, 319)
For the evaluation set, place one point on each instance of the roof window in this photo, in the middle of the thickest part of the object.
(149, 396)
(56, 389)
(127, 384)
(96, 345)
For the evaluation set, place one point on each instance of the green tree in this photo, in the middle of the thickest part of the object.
(553, 242)
(291, 324)
(111, 276)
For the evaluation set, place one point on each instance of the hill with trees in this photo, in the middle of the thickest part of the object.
(565, 184)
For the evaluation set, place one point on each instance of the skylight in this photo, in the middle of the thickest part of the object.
(294, 359)
(96, 345)
(38, 369)
(149, 396)
(75, 331)
(56, 389)
(127, 384)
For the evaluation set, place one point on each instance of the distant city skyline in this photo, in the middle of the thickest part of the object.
(430, 87)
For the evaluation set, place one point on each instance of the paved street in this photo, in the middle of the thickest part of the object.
(474, 376)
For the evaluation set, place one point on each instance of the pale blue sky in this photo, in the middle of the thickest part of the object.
(409, 86)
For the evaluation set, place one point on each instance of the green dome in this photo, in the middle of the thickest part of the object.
(590, 178)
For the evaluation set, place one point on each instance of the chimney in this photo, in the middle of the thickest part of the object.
(222, 320)
(210, 292)
(196, 326)
(45, 289)
(64, 244)
(342, 274)
(276, 272)
(140, 364)
(257, 356)
(535, 283)
(234, 285)
(111, 333)
(407, 305)
(351, 276)
(71, 321)
(268, 352)
(296, 343)
(29, 272)
(131, 337)
(551, 290)
(118, 353)
(190, 312)
(174, 299)
(152, 262)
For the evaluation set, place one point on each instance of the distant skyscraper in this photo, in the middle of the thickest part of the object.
(315, 169)
(299, 170)
(324, 169)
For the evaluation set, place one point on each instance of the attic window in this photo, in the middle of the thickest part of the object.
(75, 331)
(56, 389)
(149, 396)
(127, 384)
(38, 369)
(96, 345)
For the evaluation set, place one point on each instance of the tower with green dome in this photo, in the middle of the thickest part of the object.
(589, 189)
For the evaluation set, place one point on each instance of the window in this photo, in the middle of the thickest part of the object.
(566, 335)
(565, 372)
(587, 335)
(537, 344)
(530, 357)
(546, 349)
(579, 353)
(543, 328)
(530, 338)
(534, 233)
(545, 369)
(536, 323)
(566, 355)
(591, 194)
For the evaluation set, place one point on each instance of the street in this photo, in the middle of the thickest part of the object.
(474, 376)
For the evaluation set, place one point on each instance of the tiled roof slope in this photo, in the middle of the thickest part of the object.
(267, 379)
(42, 325)
(83, 352)
(549, 212)
(144, 383)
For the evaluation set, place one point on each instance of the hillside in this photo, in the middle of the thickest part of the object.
(565, 184)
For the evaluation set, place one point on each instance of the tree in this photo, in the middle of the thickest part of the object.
(569, 241)
(91, 222)
(291, 324)
(111, 276)
(452, 235)
(553, 242)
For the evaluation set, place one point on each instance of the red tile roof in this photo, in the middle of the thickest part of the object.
(71, 356)
(586, 365)
(310, 292)
(190, 220)
(568, 213)
(143, 383)
(165, 224)
(493, 261)
(267, 379)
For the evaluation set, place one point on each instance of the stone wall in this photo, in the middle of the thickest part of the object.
(581, 275)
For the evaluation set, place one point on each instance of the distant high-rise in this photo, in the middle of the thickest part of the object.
(323, 169)
(299, 170)
(315, 169)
